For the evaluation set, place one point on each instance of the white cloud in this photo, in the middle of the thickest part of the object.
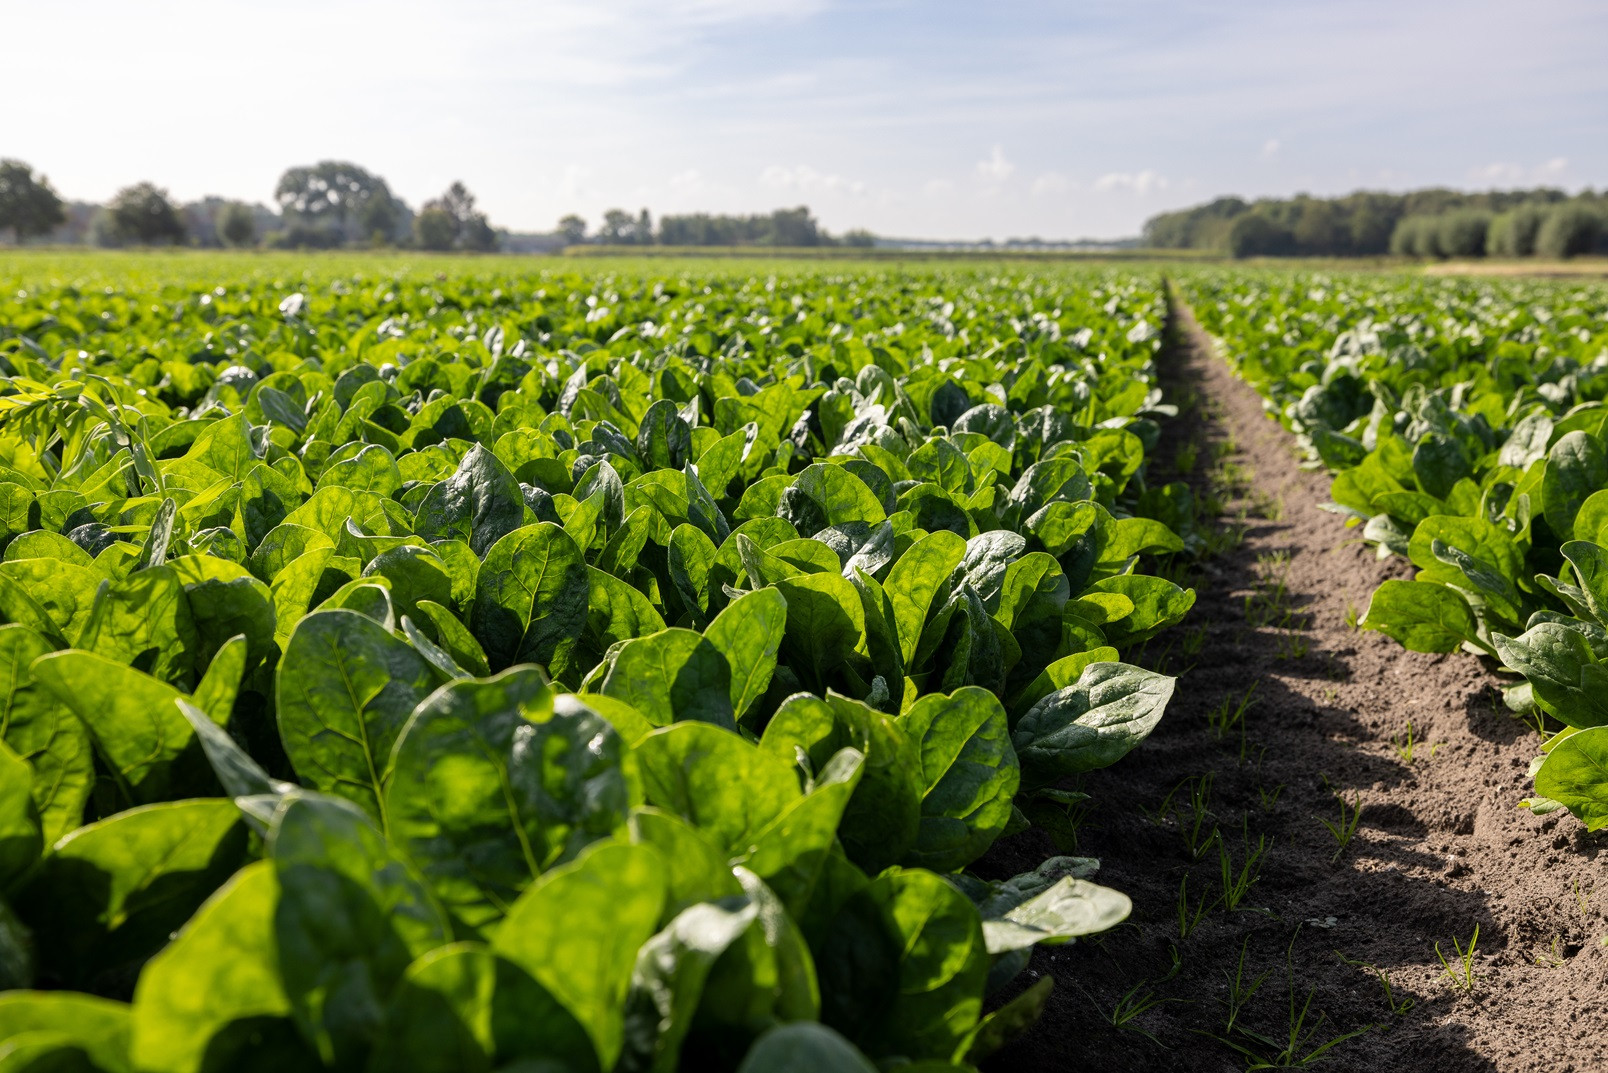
(1508, 173)
(1498, 173)
(1138, 182)
(995, 169)
(1270, 149)
(807, 180)
(1051, 182)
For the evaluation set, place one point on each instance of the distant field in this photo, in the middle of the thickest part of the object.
(1585, 266)
(184, 266)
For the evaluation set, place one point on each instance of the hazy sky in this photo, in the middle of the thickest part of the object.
(910, 117)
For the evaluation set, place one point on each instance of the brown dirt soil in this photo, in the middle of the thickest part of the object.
(1440, 848)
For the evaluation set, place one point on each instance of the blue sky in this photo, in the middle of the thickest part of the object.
(933, 119)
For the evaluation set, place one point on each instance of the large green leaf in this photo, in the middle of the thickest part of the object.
(44, 732)
(970, 774)
(491, 787)
(63, 593)
(748, 633)
(530, 596)
(461, 1008)
(1092, 723)
(727, 788)
(1575, 774)
(1422, 615)
(352, 914)
(98, 1028)
(345, 688)
(213, 996)
(1051, 904)
(112, 892)
(825, 624)
(132, 720)
(1576, 467)
(882, 820)
(144, 620)
(20, 838)
(577, 930)
(903, 967)
(670, 675)
(481, 503)
(1565, 675)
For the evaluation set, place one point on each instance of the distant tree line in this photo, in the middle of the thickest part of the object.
(328, 205)
(1423, 223)
(337, 204)
(783, 227)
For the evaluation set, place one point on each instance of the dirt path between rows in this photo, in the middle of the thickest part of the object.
(1440, 847)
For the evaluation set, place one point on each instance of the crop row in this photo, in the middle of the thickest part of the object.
(1466, 427)
(410, 673)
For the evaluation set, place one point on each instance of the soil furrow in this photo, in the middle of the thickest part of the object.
(1439, 848)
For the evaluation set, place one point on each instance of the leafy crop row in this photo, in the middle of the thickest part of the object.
(573, 673)
(1466, 427)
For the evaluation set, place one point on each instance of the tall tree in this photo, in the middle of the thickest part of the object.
(143, 214)
(434, 228)
(28, 206)
(237, 224)
(453, 223)
(573, 229)
(335, 202)
(618, 227)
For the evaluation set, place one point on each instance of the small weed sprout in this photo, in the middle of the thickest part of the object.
(1238, 882)
(1195, 817)
(1550, 958)
(1350, 816)
(1186, 458)
(1460, 970)
(1229, 716)
(1404, 745)
(1397, 1007)
(1583, 898)
(1190, 915)
(1194, 640)
(1177, 963)
(1292, 645)
(1297, 1048)
(1353, 616)
(1240, 992)
(1222, 539)
(1161, 812)
(1132, 1005)
(1269, 799)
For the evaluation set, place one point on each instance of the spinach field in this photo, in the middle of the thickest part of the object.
(496, 664)
(490, 668)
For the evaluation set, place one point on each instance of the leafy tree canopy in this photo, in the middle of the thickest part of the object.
(144, 214)
(28, 206)
(346, 202)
